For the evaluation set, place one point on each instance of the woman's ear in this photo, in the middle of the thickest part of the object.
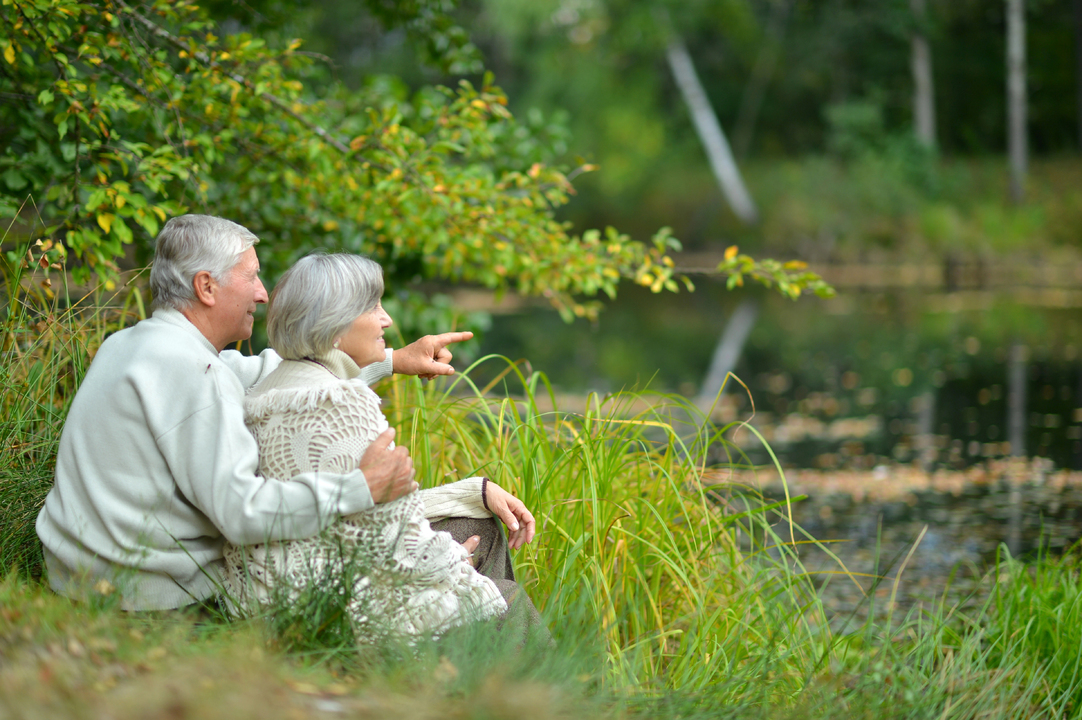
(205, 288)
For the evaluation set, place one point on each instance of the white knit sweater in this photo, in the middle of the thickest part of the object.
(318, 416)
(156, 465)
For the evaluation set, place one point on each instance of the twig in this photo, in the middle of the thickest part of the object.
(206, 60)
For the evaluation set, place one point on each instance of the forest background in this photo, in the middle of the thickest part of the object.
(686, 598)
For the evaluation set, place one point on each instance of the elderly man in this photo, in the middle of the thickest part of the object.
(155, 464)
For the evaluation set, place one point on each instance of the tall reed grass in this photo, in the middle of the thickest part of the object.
(49, 332)
(656, 608)
(630, 541)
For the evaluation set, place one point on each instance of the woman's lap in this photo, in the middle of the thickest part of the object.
(494, 562)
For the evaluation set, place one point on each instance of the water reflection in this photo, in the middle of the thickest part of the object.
(852, 383)
(871, 521)
(897, 401)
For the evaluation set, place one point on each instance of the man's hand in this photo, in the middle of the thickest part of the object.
(428, 357)
(515, 516)
(389, 472)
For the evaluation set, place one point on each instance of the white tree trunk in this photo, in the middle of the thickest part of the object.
(711, 134)
(923, 83)
(1017, 140)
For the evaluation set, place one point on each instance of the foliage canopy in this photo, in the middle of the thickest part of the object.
(121, 115)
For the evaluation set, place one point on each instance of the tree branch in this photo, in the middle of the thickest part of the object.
(206, 60)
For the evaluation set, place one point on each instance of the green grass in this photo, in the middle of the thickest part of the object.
(662, 601)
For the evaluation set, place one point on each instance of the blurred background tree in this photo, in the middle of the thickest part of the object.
(117, 116)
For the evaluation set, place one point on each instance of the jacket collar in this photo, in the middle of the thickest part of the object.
(338, 363)
(176, 317)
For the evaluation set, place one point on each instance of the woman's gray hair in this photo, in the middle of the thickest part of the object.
(188, 245)
(318, 299)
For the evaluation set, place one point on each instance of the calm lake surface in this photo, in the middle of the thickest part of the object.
(873, 386)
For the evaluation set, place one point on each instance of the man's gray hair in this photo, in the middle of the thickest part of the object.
(318, 299)
(188, 245)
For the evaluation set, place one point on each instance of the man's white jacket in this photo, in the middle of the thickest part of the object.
(156, 467)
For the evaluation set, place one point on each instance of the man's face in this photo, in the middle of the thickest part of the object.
(237, 298)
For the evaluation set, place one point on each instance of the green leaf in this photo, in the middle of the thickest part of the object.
(15, 179)
(122, 231)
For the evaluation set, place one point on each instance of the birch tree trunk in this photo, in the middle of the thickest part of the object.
(710, 133)
(923, 83)
(1016, 97)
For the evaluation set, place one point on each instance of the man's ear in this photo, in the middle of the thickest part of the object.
(205, 288)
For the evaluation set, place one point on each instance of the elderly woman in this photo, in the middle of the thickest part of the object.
(313, 414)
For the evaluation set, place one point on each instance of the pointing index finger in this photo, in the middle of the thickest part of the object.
(447, 338)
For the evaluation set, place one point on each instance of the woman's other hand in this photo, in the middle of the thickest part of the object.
(512, 512)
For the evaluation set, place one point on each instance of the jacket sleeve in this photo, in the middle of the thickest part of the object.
(250, 369)
(371, 374)
(214, 458)
(457, 499)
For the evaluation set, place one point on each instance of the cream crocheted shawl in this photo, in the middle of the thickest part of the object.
(407, 579)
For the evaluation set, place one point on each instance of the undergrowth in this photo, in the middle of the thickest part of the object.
(655, 607)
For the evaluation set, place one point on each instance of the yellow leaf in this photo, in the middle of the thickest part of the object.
(796, 265)
(105, 220)
(159, 212)
(330, 226)
(731, 251)
(9, 54)
(120, 201)
(110, 285)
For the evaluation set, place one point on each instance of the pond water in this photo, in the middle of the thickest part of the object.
(878, 387)
(952, 523)
(851, 383)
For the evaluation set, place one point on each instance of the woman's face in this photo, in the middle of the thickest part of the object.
(363, 341)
